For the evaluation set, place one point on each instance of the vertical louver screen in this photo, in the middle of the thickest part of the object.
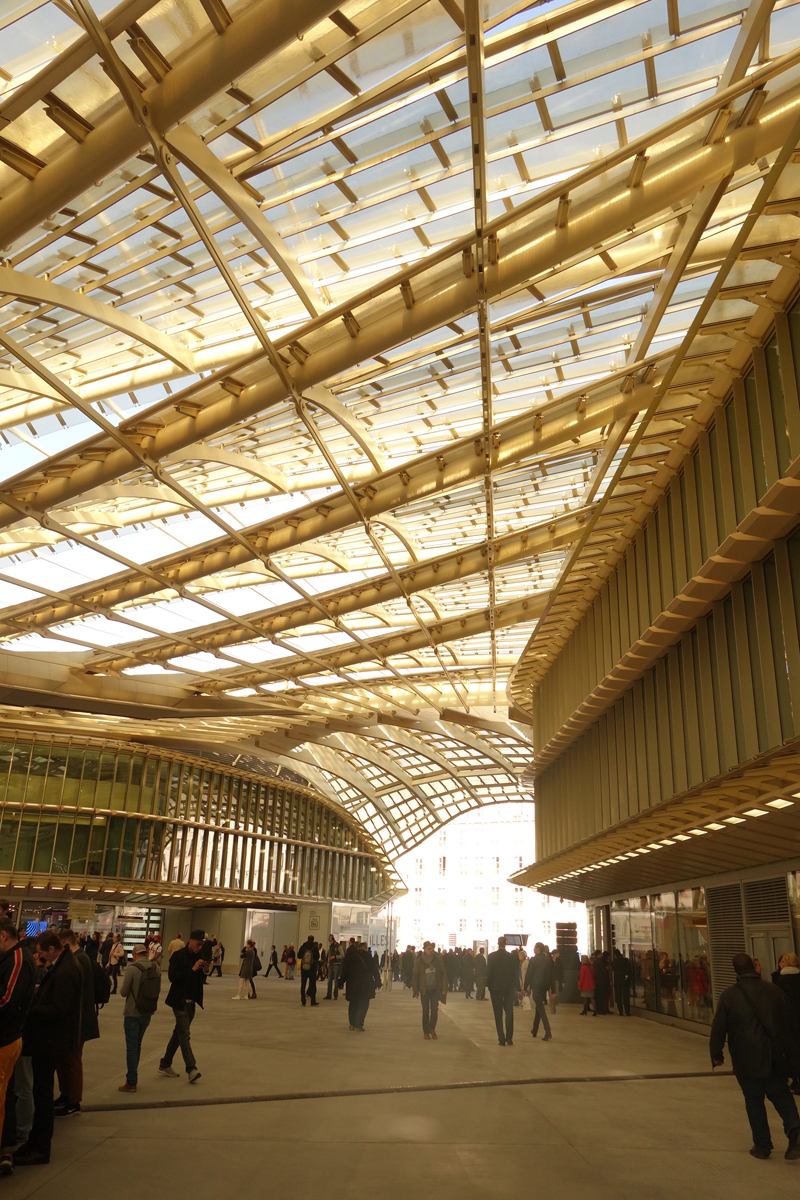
(725, 933)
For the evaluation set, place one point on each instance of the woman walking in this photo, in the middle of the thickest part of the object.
(586, 985)
(115, 956)
(246, 971)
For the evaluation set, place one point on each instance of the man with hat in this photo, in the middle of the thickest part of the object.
(429, 982)
(186, 968)
(140, 986)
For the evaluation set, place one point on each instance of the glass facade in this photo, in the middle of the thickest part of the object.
(110, 811)
(666, 938)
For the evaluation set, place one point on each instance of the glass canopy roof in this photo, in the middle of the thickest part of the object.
(339, 346)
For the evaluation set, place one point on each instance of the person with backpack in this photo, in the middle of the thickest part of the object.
(309, 957)
(140, 988)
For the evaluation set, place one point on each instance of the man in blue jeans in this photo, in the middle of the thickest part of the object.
(140, 987)
(758, 1022)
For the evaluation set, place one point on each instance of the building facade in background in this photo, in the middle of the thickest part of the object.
(458, 889)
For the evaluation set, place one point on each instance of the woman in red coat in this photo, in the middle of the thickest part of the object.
(586, 985)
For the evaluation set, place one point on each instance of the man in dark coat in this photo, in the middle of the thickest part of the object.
(17, 981)
(361, 976)
(480, 975)
(467, 973)
(186, 978)
(70, 1069)
(621, 970)
(758, 1022)
(502, 975)
(408, 966)
(540, 978)
(52, 1032)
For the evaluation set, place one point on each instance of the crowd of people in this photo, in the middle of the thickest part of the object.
(52, 986)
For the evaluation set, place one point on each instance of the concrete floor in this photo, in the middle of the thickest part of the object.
(615, 1138)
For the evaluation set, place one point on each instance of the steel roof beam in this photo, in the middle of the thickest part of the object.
(206, 69)
(449, 294)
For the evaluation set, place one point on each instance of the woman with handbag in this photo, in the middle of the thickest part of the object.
(116, 956)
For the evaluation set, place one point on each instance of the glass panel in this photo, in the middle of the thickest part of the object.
(643, 990)
(6, 759)
(72, 778)
(121, 776)
(148, 790)
(128, 842)
(44, 845)
(668, 980)
(693, 924)
(55, 775)
(142, 847)
(96, 844)
(134, 800)
(26, 842)
(63, 846)
(38, 773)
(105, 779)
(8, 839)
(113, 844)
(18, 778)
(91, 767)
(80, 845)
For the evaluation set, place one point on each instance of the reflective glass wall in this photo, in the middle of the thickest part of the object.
(666, 938)
(109, 810)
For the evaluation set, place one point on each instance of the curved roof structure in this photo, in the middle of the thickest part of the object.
(341, 347)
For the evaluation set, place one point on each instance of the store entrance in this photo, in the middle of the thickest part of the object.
(768, 945)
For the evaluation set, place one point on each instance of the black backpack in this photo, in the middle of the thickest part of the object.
(102, 984)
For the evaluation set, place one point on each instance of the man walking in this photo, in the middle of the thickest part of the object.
(430, 983)
(756, 1019)
(176, 944)
(361, 974)
(17, 981)
(273, 964)
(334, 967)
(621, 970)
(480, 975)
(185, 993)
(502, 976)
(140, 987)
(69, 1070)
(53, 1031)
(309, 957)
(540, 978)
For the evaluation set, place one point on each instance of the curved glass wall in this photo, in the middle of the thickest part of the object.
(110, 811)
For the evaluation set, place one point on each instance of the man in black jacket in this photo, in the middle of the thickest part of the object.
(186, 992)
(69, 1070)
(502, 975)
(621, 970)
(17, 981)
(757, 1020)
(52, 1032)
(540, 978)
(308, 957)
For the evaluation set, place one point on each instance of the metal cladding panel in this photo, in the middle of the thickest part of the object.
(725, 933)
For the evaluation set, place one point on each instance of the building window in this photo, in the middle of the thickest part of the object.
(496, 895)
(495, 927)
(462, 926)
(418, 896)
(442, 865)
(518, 925)
(479, 925)
(464, 866)
(517, 897)
(496, 865)
(418, 865)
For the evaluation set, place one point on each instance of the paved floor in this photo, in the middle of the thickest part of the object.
(619, 1137)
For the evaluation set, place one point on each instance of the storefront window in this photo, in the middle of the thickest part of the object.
(643, 991)
(696, 964)
(667, 955)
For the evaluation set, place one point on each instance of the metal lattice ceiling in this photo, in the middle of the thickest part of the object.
(326, 332)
